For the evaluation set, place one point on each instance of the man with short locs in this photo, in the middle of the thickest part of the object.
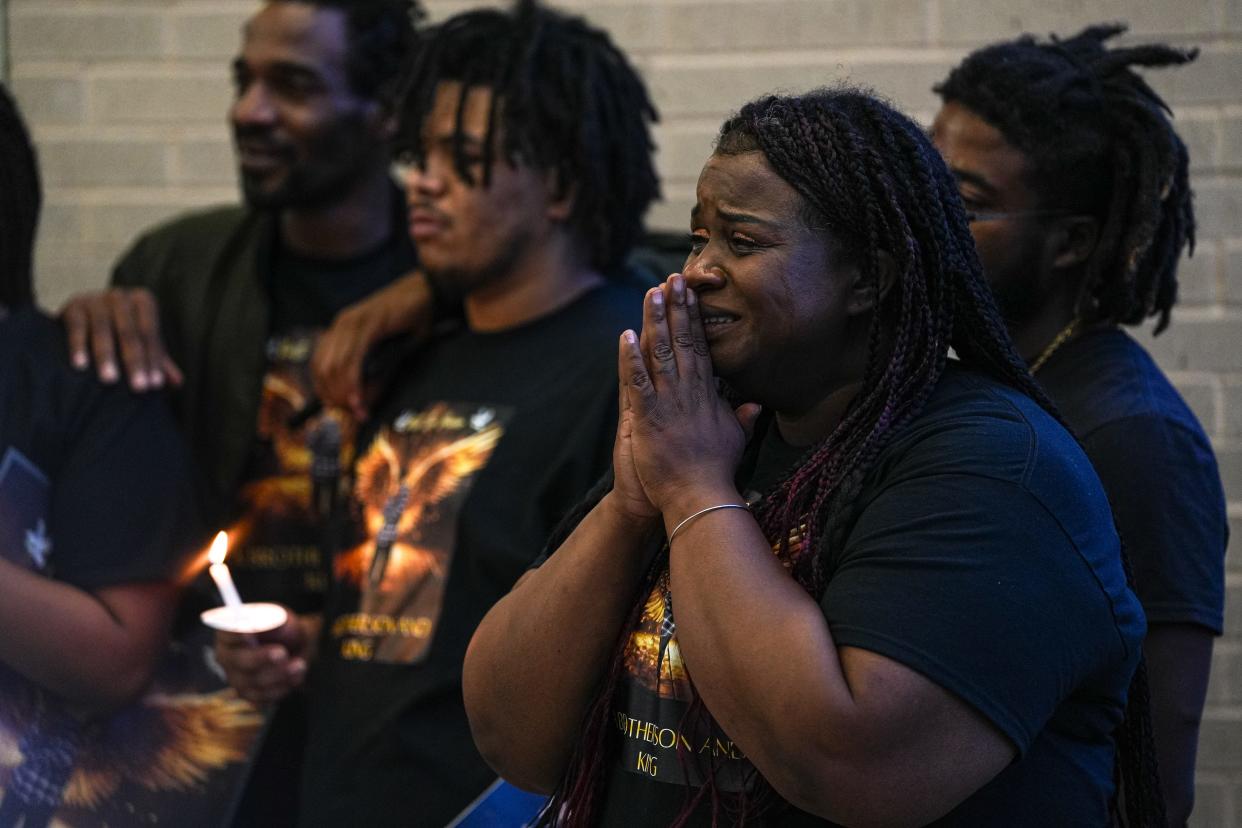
(1081, 206)
(527, 159)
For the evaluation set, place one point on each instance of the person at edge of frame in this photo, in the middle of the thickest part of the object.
(96, 518)
(1080, 205)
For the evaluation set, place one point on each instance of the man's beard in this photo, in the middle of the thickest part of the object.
(331, 166)
(458, 282)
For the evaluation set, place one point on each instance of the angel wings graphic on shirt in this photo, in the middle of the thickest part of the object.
(401, 481)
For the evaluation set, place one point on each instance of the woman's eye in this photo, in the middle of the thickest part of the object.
(743, 243)
(697, 242)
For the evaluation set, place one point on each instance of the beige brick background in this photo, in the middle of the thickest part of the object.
(127, 98)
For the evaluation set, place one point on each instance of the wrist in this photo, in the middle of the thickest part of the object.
(620, 511)
(697, 499)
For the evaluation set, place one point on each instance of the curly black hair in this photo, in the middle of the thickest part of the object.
(380, 36)
(565, 100)
(20, 200)
(1099, 141)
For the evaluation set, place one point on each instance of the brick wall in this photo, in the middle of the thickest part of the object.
(127, 99)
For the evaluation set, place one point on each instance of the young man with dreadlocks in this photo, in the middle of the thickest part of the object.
(902, 603)
(1080, 207)
(94, 514)
(526, 139)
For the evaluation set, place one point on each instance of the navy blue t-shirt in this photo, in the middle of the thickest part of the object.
(1157, 467)
(980, 552)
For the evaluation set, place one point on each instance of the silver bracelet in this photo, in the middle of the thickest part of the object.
(700, 513)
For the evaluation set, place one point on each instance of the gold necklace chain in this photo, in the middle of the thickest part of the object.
(1057, 341)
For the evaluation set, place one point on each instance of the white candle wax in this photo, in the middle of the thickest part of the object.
(220, 573)
(224, 583)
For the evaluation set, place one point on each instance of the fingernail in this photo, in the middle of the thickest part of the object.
(657, 297)
(79, 360)
(107, 372)
(630, 337)
(297, 666)
(691, 299)
(157, 379)
(139, 381)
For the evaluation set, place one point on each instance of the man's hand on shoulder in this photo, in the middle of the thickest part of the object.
(119, 320)
(405, 306)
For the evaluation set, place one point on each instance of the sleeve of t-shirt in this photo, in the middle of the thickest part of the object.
(972, 583)
(1166, 493)
(121, 501)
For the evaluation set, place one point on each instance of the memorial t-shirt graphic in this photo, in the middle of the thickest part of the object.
(410, 485)
(293, 481)
(658, 738)
(664, 736)
(177, 750)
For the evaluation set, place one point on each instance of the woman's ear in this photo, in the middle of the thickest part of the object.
(866, 294)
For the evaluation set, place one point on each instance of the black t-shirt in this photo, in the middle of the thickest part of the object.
(979, 552)
(94, 492)
(485, 443)
(94, 487)
(294, 474)
(1158, 468)
(307, 292)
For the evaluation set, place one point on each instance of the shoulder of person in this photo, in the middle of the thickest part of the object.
(196, 237)
(974, 423)
(42, 347)
(1108, 376)
(64, 403)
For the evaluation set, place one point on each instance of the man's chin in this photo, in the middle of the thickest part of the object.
(264, 192)
(454, 279)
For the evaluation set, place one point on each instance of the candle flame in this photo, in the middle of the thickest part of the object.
(219, 548)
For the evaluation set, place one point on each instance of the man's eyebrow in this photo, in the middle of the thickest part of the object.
(302, 70)
(285, 68)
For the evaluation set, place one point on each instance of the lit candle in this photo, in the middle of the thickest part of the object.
(220, 572)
